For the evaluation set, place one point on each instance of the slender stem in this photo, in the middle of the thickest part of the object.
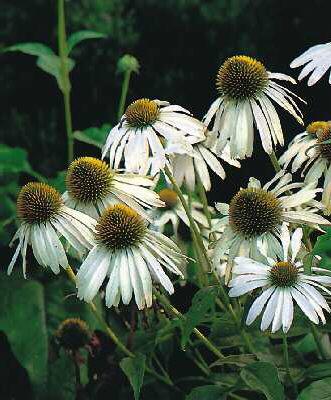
(287, 365)
(77, 371)
(125, 87)
(196, 236)
(172, 310)
(113, 336)
(65, 81)
(317, 338)
(274, 161)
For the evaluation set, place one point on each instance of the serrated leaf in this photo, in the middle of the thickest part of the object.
(319, 390)
(31, 48)
(207, 392)
(94, 136)
(263, 377)
(134, 369)
(202, 302)
(239, 360)
(79, 36)
(22, 318)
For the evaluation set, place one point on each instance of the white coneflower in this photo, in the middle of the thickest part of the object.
(282, 281)
(255, 216)
(245, 88)
(317, 60)
(174, 212)
(308, 149)
(185, 167)
(93, 186)
(130, 255)
(147, 132)
(44, 218)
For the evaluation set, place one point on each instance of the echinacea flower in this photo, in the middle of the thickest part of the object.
(92, 186)
(149, 131)
(44, 218)
(185, 167)
(283, 282)
(246, 88)
(255, 215)
(174, 212)
(130, 255)
(317, 60)
(307, 150)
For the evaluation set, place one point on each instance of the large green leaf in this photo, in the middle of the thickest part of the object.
(13, 160)
(22, 318)
(207, 392)
(319, 371)
(202, 302)
(94, 136)
(323, 243)
(31, 48)
(319, 390)
(263, 376)
(61, 380)
(134, 369)
(79, 36)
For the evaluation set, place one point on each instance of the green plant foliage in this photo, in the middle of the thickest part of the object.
(207, 392)
(263, 376)
(93, 136)
(320, 390)
(134, 369)
(62, 371)
(22, 318)
(77, 37)
(202, 302)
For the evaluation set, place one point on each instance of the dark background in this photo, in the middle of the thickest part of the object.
(179, 44)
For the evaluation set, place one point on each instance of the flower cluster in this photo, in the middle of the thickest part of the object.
(114, 212)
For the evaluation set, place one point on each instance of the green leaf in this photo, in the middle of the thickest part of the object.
(62, 303)
(13, 160)
(94, 136)
(319, 390)
(239, 360)
(202, 302)
(58, 182)
(207, 392)
(61, 382)
(323, 243)
(79, 36)
(319, 371)
(134, 369)
(305, 345)
(263, 376)
(22, 318)
(32, 48)
(51, 64)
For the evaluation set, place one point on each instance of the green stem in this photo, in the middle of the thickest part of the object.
(172, 310)
(113, 336)
(317, 338)
(196, 236)
(125, 87)
(65, 81)
(287, 365)
(275, 162)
